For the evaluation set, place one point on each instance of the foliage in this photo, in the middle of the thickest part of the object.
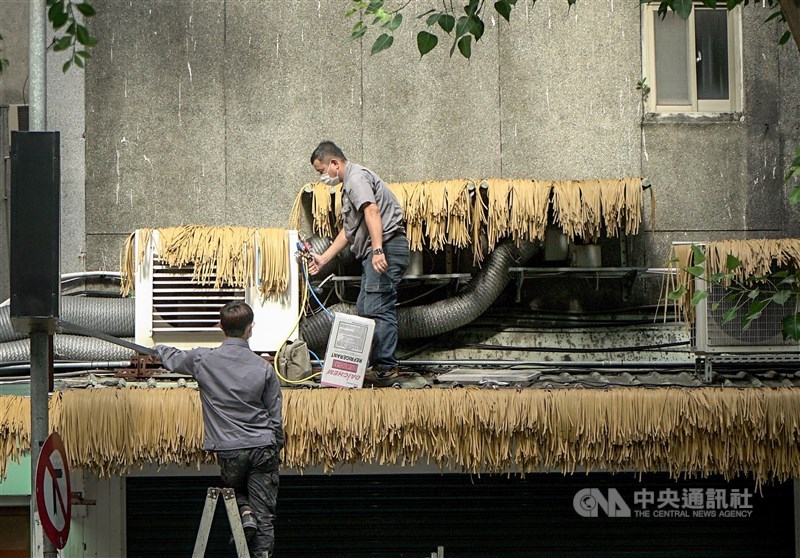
(62, 15)
(69, 16)
(794, 171)
(752, 295)
(463, 22)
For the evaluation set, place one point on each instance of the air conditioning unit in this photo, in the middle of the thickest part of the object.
(764, 335)
(172, 309)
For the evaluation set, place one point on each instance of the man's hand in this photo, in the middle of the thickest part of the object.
(379, 263)
(316, 264)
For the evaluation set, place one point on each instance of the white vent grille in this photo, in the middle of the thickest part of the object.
(180, 303)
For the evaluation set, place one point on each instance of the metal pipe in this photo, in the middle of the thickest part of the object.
(40, 428)
(550, 364)
(37, 64)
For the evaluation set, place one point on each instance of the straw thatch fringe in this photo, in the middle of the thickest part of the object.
(452, 212)
(691, 432)
(231, 256)
(757, 257)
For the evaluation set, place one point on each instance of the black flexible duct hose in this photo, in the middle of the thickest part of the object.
(442, 316)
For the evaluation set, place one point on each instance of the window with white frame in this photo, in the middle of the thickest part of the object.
(693, 65)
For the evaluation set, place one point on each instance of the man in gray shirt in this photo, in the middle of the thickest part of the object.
(241, 399)
(373, 225)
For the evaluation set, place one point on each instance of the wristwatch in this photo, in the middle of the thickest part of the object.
(377, 251)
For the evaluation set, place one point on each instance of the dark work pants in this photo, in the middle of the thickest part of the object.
(253, 474)
(377, 300)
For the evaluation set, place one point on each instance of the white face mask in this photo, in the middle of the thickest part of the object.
(326, 178)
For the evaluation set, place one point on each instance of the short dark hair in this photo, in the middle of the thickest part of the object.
(234, 318)
(327, 150)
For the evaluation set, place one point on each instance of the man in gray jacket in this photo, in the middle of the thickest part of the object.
(241, 399)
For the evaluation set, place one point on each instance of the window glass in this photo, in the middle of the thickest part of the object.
(671, 50)
(711, 38)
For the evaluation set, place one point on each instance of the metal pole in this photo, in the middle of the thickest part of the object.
(40, 427)
(41, 340)
(37, 64)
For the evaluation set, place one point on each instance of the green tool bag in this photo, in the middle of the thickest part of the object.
(294, 363)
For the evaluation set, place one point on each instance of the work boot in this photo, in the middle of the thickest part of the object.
(381, 378)
(249, 524)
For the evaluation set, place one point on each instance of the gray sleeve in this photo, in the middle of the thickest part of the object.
(176, 360)
(359, 189)
(273, 402)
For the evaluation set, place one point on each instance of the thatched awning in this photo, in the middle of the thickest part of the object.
(700, 431)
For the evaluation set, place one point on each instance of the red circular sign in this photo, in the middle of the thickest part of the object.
(53, 490)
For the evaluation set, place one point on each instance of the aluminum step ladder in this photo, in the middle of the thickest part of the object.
(229, 497)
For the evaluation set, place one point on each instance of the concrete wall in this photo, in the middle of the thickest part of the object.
(206, 112)
(199, 112)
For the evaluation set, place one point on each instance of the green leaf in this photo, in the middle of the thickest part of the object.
(66, 66)
(78, 61)
(350, 12)
(714, 306)
(465, 46)
(698, 297)
(86, 9)
(794, 196)
(56, 10)
(433, 19)
(476, 27)
(84, 54)
(504, 9)
(732, 262)
(754, 293)
(683, 8)
(447, 22)
(774, 15)
(383, 42)
(63, 43)
(394, 23)
(785, 38)
(781, 297)
(677, 294)
(426, 42)
(59, 20)
(753, 313)
(718, 277)
(710, 4)
(697, 255)
(358, 33)
(791, 327)
(462, 26)
(82, 34)
(695, 270)
(728, 315)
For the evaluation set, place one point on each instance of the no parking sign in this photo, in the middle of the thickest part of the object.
(53, 490)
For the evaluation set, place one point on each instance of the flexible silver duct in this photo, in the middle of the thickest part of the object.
(67, 347)
(442, 316)
(114, 316)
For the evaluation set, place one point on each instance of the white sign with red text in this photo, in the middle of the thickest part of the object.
(348, 351)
